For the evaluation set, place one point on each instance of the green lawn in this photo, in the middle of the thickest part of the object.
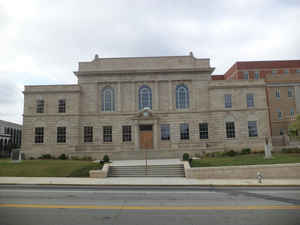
(251, 159)
(47, 168)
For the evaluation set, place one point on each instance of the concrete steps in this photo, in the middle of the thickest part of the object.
(173, 170)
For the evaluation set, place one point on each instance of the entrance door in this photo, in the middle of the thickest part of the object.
(146, 137)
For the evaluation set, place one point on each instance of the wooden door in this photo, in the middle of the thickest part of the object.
(146, 137)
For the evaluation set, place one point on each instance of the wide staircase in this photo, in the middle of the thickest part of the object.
(172, 170)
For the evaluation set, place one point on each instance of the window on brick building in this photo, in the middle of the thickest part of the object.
(39, 135)
(252, 128)
(126, 131)
(61, 105)
(165, 132)
(277, 93)
(61, 135)
(246, 75)
(230, 130)
(290, 92)
(203, 130)
(107, 134)
(184, 131)
(40, 106)
(250, 100)
(228, 102)
(256, 75)
(88, 134)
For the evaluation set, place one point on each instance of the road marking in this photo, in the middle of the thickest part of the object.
(267, 207)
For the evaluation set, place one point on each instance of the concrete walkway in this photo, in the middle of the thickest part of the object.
(162, 181)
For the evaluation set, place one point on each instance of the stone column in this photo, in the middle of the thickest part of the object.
(136, 135)
(155, 135)
(156, 98)
(170, 96)
(119, 106)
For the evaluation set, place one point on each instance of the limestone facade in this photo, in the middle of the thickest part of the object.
(161, 92)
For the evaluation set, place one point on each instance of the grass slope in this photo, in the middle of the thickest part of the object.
(251, 159)
(47, 168)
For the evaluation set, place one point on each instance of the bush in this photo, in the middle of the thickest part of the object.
(87, 158)
(63, 156)
(75, 158)
(31, 158)
(290, 150)
(46, 156)
(105, 159)
(185, 157)
(245, 151)
(231, 153)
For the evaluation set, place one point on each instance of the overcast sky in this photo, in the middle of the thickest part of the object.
(42, 41)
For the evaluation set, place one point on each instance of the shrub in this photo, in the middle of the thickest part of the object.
(31, 158)
(87, 158)
(185, 157)
(46, 156)
(105, 159)
(74, 157)
(231, 153)
(290, 150)
(62, 156)
(245, 151)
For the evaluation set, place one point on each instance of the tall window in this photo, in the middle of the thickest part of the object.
(61, 135)
(292, 112)
(277, 93)
(40, 106)
(281, 131)
(61, 105)
(184, 131)
(126, 130)
(252, 128)
(250, 100)
(165, 132)
(88, 134)
(256, 75)
(145, 97)
(182, 97)
(107, 134)
(108, 99)
(230, 130)
(203, 130)
(290, 92)
(279, 114)
(228, 102)
(39, 135)
(246, 75)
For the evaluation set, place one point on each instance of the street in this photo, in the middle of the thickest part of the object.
(128, 205)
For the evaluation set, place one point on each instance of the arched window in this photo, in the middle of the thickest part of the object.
(108, 99)
(182, 97)
(145, 97)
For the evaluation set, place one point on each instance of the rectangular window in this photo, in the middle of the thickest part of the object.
(250, 100)
(274, 71)
(61, 105)
(256, 75)
(281, 131)
(40, 106)
(39, 135)
(246, 75)
(290, 92)
(230, 130)
(184, 131)
(252, 128)
(107, 134)
(126, 130)
(203, 130)
(279, 114)
(277, 93)
(228, 102)
(165, 132)
(61, 135)
(88, 134)
(292, 112)
(297, 70)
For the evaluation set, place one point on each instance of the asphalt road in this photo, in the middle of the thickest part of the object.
(72, 205)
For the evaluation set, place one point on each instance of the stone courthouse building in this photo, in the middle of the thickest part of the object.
(162, 106)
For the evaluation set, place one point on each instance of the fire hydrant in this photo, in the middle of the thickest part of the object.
(259, 176)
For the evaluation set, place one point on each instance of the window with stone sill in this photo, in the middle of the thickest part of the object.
(252, 128)
(165, 132)
(250, 100)
(108, 99)
(230, 130)
(88, 134)
(203, 130)
(62, 106)
(126, 131)
(182, 97)
(61, 135)
(40, 106)
(290, 92)
(145, 97)
(228, 101)
(184, 131)
(107, 134)
(277, 93)
(39, 135)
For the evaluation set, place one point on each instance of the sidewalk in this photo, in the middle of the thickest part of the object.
(151, 181)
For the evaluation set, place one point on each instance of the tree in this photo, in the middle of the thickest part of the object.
(294, 127)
